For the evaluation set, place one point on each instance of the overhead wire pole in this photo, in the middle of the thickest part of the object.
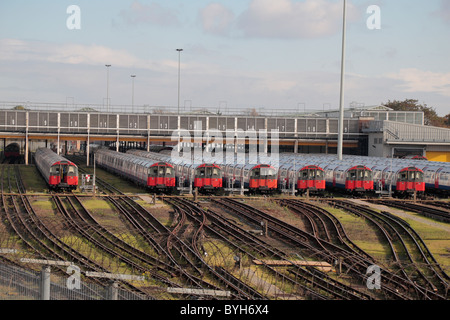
(132, 92)
(341, 103)
(179, 54)
(107, 86)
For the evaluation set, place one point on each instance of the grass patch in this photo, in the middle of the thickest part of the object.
(363, 234)
(436, 239)
(32, 179)
(119, 182)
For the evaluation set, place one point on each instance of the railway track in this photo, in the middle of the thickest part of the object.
(430, 211)
(393, 286)
(179, 249)
(413, 258)
(311, 276)
(164, 241)
(39, 239)
(43, 241)
(436, 203)
(80, 220)
(217, 230)
(188, 211)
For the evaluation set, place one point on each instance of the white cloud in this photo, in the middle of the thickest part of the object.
(76, 54)
(216, 19)
(415, 80)
(289, 19)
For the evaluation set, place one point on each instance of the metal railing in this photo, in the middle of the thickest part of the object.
(20, 284)
(148, 109)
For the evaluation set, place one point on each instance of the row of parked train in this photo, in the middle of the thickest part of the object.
(313, 173)
(296, 172)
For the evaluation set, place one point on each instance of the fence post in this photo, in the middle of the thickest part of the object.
(113, 291)
(45, 283)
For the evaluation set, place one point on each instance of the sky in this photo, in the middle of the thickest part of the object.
(237, 54)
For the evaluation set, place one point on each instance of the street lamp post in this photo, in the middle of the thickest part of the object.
(341, 104)
(132, 92)
(107, 86)
(179, 54)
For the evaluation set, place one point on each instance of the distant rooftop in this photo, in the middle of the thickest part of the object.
(356, 110)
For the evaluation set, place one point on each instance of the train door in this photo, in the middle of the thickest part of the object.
(63, 170)
(312, 177)
(209, 176)
(55, 174)
(153, 174)
(350, 180)
(436, 181)
(72, 175)
(160, 180)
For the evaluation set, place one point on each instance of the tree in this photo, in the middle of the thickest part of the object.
(447, 120)
(431, 118)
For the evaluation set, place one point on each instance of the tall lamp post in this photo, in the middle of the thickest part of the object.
(107, 86)
(179, 54)
(341, 104)
(132, 92)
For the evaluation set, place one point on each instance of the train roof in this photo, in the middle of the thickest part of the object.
(52, 157)
(308, 167)
(410, 168)
(209, 165)
(146, 162)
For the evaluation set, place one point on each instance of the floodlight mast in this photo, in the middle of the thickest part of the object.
(341, 103)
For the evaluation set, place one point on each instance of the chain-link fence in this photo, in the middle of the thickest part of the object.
(20, 284)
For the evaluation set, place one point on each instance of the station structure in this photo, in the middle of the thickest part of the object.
(370, 131)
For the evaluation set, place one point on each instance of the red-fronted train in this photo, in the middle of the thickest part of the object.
(58, 172)
(152, 174)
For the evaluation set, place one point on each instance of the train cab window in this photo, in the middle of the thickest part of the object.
(160, 171)
(153, 171)
(255, 173)
(272, 173)
(72, 171)
(169, 172)
(319, 174)
(415, 176)
(367, 175)
(352, 175)
(268, 173)
(215, 172)
(403, 176)
(305, 174)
